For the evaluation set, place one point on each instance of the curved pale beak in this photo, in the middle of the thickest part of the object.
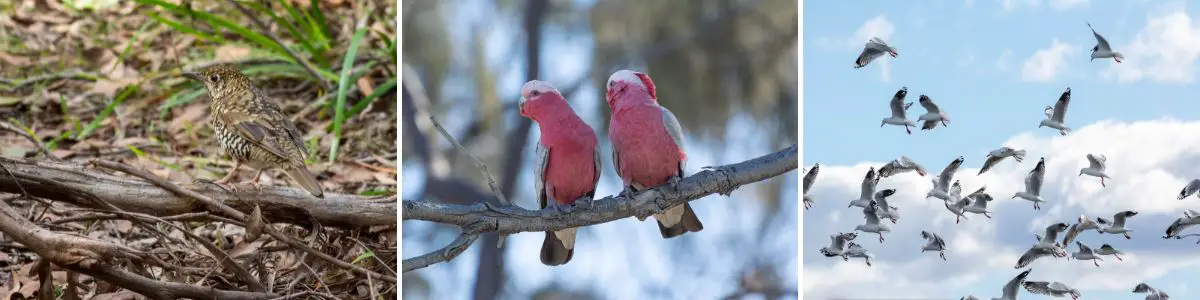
(192, 75)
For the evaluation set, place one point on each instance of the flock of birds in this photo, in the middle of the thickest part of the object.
(875, 207)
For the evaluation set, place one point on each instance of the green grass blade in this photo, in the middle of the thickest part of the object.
(108, 110)
(364, 255)
(184, 28)
(379, 91)
(344, 84)
(129, 45)
(219, 22)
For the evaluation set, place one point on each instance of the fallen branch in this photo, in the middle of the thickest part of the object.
(98, 259)
(481, 217)
(73, 183)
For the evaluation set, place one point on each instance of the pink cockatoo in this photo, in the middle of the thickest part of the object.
(568, 161)
(647, 146)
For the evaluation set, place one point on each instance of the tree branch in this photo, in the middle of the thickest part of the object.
(73, 183)
(512, 219)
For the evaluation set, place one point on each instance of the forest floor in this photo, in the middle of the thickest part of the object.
(102, 83)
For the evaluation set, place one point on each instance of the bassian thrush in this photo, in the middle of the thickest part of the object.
(252, 129)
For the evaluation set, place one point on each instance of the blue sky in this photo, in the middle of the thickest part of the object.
(627, 253)
(992, 66)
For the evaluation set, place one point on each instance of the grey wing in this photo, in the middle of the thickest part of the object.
(939, 241)
(1060, 108)
(1059, 286)
(598, 164)
(868, 185)
(928, 104)
(991, 161)
(928, 125)
(676, 133)
(898, 107)
(1119, 219)
(1083, 248)
(948, 172)
(1100, 41)
(1071, 233)
(811, 177)
(869, 53)
(1037, 287)
(1010, 289)
(871, 213)
(977, 193)
(539, 182)
(1033, 182)
(835, 241)
(1096, 161)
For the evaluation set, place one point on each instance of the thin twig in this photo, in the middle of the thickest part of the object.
(267, 31)
(450, 251)
(64, 75)
(35, 141)
(491, 180)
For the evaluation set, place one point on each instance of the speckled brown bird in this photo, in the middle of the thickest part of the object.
(252, 129)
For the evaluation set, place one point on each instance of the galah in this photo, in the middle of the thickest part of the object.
(647, 146)
(568, 162)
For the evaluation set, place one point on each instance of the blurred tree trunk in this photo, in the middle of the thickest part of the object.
(490, 277)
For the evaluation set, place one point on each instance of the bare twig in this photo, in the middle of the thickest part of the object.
(482, 167)
(513, 219)
(267, 31)
(450, 251)
(35, 141)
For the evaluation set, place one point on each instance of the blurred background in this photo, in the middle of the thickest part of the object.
(726, 68)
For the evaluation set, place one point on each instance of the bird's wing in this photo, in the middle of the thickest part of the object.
(676, 133)
(1094, 162)
(1071, 233)
(1083, 248)
(871, 213)
(1010, 289)
(1059, 286)
(811, 177)
(1037, 287)
(539, 172)
(897, 104)
(948, 172)
(880, 42)
(256, 130)
(1190, 188)
(1051, 233)
(927, 125)
(868, 185)
(1033, 182)
(991, 161)
(1060, 107)
(1100, 41)
(597, 164)
(1190, 214)
(928, 104)
(868, 54)
(1119, 219)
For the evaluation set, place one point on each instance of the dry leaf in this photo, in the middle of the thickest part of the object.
(364, 86)
(254, 224)
(244, 249)
(385, 178)
(109, 87)
(15, 61)
(121, 295)
(348, 174)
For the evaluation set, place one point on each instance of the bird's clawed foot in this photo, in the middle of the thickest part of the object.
(1102, 182)
(881, 238)
(987, 215)
(1128, 237)
(893, 220)
(845, 258)
(868, 262)
(1095, 263)
(1118, 257)
(943, 255)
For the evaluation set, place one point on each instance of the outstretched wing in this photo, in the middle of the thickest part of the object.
(897, 103)
(1096, 161)
(868, 185)
(948, 172)
(1038, 287)
(868, 54)
(1010, 289)
(811, 177)
(1060, 107)
(1101, 43)
(928, 104)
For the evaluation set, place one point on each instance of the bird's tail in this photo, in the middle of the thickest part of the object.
(306, 180)
(1019, 155)
(685, 220)
(554, 252)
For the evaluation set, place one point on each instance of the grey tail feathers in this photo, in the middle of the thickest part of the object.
(305, 180)
(553, 251)
(687, 223)
(1019, 155)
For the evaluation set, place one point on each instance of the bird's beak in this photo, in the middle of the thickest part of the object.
(192, 75)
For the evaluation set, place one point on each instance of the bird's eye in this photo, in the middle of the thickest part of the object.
(534, 93)
(214, 77)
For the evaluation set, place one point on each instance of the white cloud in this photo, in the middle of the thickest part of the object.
(1013, 4)
(1046, 64)
(1066, 4)
(1164, 50)
(881, 28)
(1154, 160)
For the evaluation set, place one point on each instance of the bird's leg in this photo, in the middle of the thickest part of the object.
(906, 129)
(1094, 262)
(868, 262)
(254, 182)
(1127, 236)
(957, 218)
(943, 255)
(1118, 257)
(845, 258)
(881, 237)
(232, 173)
(987, 215)
(893, 220)
(1102, 182)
